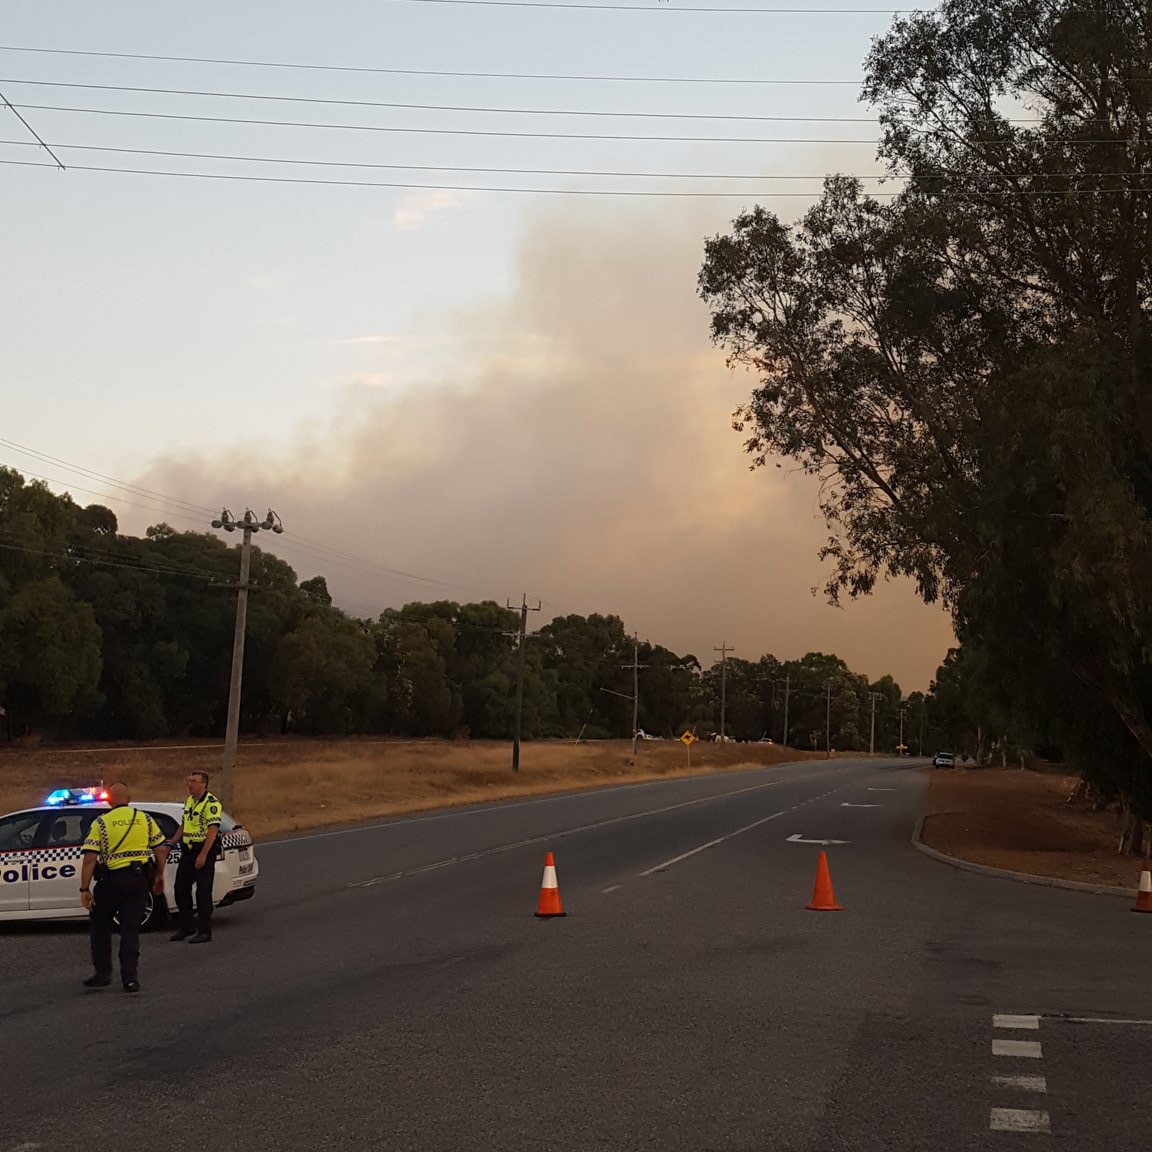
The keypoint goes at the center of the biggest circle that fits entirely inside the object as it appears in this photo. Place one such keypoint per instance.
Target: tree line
(109, 636)
(966, 364)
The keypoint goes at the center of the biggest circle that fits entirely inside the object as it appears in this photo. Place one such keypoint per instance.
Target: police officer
(125, 853)
(199, 835)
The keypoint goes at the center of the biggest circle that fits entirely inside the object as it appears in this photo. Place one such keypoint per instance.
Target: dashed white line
(1031, 1023)
(1026, 1049)
(710, 844)
(1021, 1083)
(613, 888)
(1018, 1120)
(563, 833)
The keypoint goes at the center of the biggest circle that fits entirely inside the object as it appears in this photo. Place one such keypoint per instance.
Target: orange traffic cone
(822, 898)
(1144, 895)
(549, 892)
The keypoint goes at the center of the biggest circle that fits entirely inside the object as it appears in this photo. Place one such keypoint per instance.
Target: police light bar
(77, 796)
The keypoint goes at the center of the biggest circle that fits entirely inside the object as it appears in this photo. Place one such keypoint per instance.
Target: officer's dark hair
(201, 776)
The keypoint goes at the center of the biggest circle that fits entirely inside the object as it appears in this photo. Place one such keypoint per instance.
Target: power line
(114, 497)
(313, 549)
(289, 160)
(508, 134)
(24, 450)
(288, 65)
(406, 106)
(624, 192)
(228, 156)
(658, 8)
(11, 108)
(396, 184)
(449, 131)
(160, 570)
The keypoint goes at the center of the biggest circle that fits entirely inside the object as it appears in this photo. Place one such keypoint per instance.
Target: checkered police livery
(40, 856)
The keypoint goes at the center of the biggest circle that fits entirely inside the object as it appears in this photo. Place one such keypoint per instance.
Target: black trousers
(188, 876)
(123, 892)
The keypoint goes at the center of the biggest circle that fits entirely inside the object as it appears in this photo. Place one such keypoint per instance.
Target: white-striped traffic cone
(1144, 894)
(549, 892)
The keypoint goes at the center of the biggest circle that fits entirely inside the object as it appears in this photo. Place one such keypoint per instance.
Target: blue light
(95, 795)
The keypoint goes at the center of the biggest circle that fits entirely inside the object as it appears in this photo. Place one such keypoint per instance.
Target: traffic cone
(549, 892)
(1144, 895)
(822, 898)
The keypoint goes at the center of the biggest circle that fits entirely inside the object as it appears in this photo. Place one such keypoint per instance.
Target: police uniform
(199, 816)
(122, 841)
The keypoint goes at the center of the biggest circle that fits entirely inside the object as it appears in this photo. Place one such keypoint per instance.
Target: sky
(445, 391)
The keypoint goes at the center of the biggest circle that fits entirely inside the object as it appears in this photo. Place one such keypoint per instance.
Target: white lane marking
(798, 839)
(848, 804)
(1029, 1049)
(710, 844)
(560, 835)
(1021, 1083)
(1032, 1023)
(1018, 1120)
(1100, 1020)
(614, 888)
(479, 808)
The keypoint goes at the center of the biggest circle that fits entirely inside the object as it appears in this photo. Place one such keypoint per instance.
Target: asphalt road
(390, 988)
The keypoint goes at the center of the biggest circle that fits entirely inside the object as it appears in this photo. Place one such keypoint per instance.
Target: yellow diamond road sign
(687, 739)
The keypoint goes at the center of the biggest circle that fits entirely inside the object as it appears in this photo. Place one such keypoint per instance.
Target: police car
(40, 856)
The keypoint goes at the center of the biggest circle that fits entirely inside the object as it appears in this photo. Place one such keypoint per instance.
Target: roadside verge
(1018, 825)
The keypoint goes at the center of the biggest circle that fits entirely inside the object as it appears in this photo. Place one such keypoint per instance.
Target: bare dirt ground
(1020, 820)
(289, 786)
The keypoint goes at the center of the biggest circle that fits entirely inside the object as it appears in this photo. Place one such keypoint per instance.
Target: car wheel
(155, 914)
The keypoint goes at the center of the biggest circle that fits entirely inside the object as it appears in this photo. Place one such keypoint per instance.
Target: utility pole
(828, 719)
(872, 738)
(902, 707)
(787, 692)
(635, 666)
(723, 650)
(523, 642)
(249, 524)
(920, 746)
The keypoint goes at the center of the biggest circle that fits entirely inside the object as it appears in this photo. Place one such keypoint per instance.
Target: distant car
(943, 760)
(40, 856)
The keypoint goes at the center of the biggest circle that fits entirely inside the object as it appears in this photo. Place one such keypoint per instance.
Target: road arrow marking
(798, 839)
(847, 805)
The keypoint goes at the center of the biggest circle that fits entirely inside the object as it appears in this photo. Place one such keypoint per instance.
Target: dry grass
(1008, 818)
(288, 786)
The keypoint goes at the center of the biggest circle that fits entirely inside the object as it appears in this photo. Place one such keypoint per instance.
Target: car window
(68, 828)
(168, 824)
(18, 831)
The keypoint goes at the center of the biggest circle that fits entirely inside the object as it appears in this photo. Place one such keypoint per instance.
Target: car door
(55, 877)
(17, 841)
(167, 825)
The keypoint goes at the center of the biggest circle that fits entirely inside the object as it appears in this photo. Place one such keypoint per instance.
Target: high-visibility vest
(199, 816)
(123, 837)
